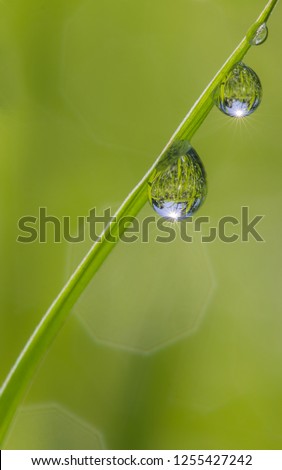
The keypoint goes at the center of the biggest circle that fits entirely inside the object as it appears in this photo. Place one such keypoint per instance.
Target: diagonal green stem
(23, 370)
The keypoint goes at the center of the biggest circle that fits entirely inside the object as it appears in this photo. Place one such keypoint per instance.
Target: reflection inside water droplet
(260, 35)
(240, 92)
(178, 185)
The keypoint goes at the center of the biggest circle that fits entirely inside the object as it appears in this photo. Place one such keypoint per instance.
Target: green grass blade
(22, 372)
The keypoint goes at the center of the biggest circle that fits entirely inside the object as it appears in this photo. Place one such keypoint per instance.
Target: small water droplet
(260, 35)
(178, 185)
(240, 93)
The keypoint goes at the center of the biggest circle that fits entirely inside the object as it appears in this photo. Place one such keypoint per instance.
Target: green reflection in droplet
(178, 185)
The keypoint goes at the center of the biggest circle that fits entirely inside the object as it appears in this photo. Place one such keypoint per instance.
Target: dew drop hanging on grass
(240, 93)
(260, 35)
(178, 186)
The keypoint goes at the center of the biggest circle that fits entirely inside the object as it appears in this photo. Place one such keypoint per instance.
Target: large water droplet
(260, 35)
(178, 185)
(240, 92)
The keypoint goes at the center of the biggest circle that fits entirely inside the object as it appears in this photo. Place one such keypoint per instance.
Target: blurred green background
(175, 345)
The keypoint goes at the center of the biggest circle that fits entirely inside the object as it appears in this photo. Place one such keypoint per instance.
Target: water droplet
(260, 35)
(240, 92)
(178, 185)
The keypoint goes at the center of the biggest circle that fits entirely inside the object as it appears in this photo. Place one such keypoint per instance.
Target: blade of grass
(21, 373)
